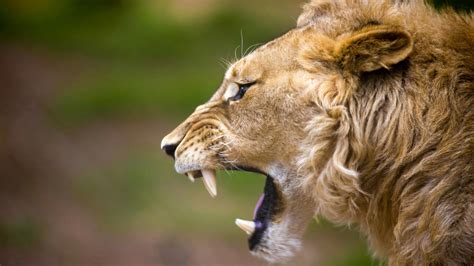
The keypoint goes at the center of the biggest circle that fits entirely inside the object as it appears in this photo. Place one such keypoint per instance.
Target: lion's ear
(373, 48)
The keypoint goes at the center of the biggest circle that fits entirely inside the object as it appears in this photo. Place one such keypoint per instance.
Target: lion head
(323, 111)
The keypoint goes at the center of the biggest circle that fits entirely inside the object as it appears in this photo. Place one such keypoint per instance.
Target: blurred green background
(87, 90)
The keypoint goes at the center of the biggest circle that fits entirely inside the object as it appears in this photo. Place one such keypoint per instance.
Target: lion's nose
(170, 149)
(170, 143)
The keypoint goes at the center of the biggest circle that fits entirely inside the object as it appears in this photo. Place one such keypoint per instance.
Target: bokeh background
(87, 90)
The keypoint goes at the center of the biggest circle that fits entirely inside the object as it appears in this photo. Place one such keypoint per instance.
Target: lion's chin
(276, 246)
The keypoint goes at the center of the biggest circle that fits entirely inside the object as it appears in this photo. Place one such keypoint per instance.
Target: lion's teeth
(190, 176)
(209, 177)
(247, 226)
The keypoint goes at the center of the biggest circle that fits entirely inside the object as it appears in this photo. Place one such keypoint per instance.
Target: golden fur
(364, 113)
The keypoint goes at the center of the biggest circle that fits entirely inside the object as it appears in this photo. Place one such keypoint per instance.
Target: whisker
(235, 53)
(241, 43)
(251, 48)
(227, 62)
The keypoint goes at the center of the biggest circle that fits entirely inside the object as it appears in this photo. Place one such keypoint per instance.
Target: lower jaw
(271, 204)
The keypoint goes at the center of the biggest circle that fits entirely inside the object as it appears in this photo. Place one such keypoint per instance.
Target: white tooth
(247, 226)
(190, 176)
(209, 178)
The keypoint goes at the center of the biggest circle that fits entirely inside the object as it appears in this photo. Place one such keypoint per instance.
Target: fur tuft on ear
(373, 48)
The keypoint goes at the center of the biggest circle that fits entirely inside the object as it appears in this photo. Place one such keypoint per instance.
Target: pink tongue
(259, 203)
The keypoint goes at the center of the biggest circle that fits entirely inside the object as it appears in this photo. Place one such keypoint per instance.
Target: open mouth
(268, 206)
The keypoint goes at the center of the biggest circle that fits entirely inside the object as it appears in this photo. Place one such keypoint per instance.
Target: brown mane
(403, 157)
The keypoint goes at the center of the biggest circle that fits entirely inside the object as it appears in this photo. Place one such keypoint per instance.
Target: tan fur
(364, 114)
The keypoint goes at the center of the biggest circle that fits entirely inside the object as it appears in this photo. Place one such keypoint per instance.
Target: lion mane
(401, 162)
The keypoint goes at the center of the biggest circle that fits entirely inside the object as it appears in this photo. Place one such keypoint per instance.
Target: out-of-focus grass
(142, 192)
(151, 65)
(139, 32)
(20, 233)
(358, 256)
(139, 91)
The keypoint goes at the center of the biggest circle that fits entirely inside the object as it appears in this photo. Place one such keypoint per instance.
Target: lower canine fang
(247, 226)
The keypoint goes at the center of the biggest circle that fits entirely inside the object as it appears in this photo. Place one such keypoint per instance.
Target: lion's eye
(241, 92)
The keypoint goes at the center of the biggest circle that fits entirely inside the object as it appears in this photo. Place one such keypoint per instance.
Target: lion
(362, 114)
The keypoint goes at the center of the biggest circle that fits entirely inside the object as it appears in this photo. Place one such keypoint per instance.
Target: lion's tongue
(259, 203)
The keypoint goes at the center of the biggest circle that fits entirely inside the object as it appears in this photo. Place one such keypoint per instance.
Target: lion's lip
(258, 205)
(267, 207)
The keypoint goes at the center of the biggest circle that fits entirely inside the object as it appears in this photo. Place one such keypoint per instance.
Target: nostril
(170, 149)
